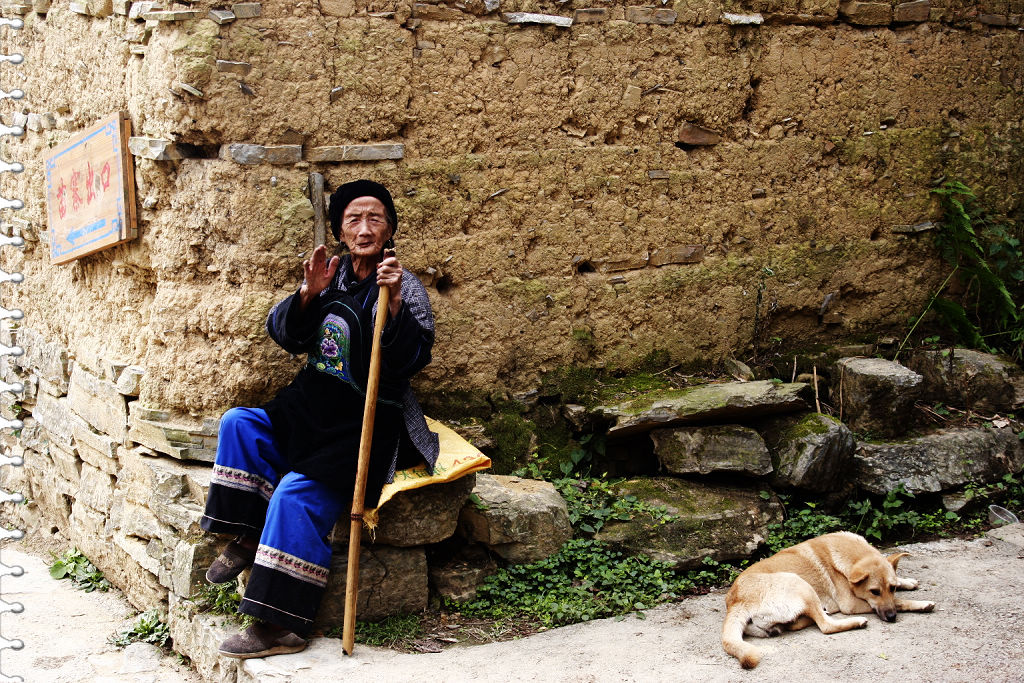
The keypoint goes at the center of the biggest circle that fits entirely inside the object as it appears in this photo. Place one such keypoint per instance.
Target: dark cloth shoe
(232, 560)
(262, 640)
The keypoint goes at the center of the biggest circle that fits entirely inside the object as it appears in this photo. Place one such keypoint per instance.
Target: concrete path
(973, 635)
(64, 631)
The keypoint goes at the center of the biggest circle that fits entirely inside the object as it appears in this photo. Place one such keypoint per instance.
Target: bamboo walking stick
(348, 638)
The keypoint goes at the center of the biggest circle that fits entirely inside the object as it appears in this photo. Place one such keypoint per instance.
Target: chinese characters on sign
(90, 191)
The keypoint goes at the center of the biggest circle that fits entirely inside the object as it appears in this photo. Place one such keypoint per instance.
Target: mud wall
(585, 194)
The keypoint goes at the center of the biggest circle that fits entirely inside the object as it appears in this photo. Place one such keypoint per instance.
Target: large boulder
(980, 381)
(522, 520)
(875, 395)
(725, 402)
(421, 516)
(392, 581)
(812, 452)
(940, 461)
(715, 448)
(723, 523)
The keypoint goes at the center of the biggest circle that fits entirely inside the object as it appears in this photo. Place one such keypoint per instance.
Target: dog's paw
(862, 622)
(908, 584)
(928, 606)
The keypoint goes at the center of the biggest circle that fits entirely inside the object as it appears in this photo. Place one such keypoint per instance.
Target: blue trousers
(253, 493)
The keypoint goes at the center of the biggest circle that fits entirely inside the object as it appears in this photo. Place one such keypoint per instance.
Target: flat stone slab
(724, 523)
(938, 462)
(726, 402)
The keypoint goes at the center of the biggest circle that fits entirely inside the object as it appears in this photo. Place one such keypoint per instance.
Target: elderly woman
(285, 472)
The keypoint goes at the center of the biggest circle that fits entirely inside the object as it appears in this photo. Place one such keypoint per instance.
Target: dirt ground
(973, 635)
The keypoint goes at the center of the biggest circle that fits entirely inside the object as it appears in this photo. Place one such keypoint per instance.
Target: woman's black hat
(354, 190)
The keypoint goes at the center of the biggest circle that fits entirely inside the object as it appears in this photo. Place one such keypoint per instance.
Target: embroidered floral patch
(332, 356)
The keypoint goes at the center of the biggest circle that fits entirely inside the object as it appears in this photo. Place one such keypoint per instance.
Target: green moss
(513, 438)
(808, 425)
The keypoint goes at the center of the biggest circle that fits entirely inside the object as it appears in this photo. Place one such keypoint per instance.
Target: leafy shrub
(75, 566)
(989, 261)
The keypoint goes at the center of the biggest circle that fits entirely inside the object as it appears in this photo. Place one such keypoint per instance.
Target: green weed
(218, 598)
(75, 566)
(148, 628)
(385, 633)
(584, 580)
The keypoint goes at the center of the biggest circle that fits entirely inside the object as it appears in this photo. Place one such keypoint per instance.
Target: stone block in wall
(66, 464)
(812, 451)
(54, 494)
(245, 154)
(428, 12)
(724, 523)
(170, 15)
(692, 134)
(378, 152)
(916, 11)
(221, 16)
(866, 13)
(522, 520)
(197, 636)
(283, 154)
(95, 488)
(651, 15)
(170, 489)
(392, 581)
(54, 415)
(622, 263)
(140, 8)
(100, 8)
(47, 359)
(98, 450)
(99, 403)
(247, 10)
(191, 559)
(711, 448)
(681, 253)
(534, 18)
(240, 68)
(156, 148)
(88, 534)
(129, 381)
(420, 516)
(590, 15)
(938, 462)
(77, 8)
(972, 379)
(122, 7)
(178, 440)
(133, 519)
(875, 395)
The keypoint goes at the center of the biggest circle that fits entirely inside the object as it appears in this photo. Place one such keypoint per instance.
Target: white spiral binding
(14, 387)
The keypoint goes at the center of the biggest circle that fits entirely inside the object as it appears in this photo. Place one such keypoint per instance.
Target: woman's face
(364, 227)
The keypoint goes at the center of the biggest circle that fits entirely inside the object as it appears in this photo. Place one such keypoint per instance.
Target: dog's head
(873, 579)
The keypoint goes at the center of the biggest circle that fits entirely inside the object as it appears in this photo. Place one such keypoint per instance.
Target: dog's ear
(895, 558)
(858, 573)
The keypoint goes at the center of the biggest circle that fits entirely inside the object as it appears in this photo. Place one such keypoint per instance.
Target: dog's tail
(732, 639)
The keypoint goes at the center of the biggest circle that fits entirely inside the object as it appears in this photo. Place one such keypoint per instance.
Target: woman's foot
(236, 556)
(262, 639)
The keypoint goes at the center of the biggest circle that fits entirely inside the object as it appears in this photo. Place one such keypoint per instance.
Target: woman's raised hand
(318, 273)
